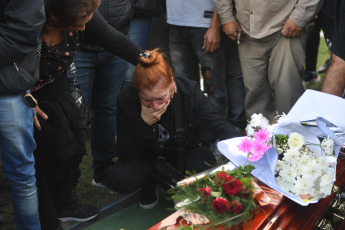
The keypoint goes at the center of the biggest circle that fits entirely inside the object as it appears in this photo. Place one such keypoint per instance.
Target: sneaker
(77, 212)
(148, 198)
(101, 184)
(324, 67)
(311, 76)
(101, 177)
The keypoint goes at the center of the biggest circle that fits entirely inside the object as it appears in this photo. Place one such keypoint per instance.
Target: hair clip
(145, 55)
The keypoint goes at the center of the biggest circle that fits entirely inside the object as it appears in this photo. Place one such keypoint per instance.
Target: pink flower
(253, 157)
(262, 135)
(245, 145)
(259, 148)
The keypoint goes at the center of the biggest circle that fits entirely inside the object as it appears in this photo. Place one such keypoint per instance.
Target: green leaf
(246, 181)
(249, 168)
(216, 194)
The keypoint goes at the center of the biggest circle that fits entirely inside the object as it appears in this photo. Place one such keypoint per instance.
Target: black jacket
(20, 25)
(135, 137)
(118, 13)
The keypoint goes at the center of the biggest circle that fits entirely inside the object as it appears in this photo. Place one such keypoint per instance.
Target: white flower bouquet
(298, 165)
(302, 171)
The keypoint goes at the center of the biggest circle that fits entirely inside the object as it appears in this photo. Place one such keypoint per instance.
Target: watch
(30, 100)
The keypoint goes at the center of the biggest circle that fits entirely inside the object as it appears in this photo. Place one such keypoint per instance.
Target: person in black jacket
(100, 76)
(60, 132)
(152, 115)
(20, 26)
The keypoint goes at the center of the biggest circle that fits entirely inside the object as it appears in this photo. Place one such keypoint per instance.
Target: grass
(98, 197)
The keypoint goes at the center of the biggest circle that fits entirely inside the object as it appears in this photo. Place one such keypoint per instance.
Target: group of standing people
(163, 122)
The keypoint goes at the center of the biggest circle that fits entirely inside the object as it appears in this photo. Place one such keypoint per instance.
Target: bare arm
(335, 78)
(303, 13)
(212, 36)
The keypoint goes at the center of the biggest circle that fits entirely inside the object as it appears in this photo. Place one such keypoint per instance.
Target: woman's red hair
(152, 71)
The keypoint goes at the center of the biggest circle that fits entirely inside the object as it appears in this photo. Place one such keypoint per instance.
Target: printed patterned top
(55, 60)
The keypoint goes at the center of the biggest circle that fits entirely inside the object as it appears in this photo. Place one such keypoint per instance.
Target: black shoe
(148, 197)
(311, 76)
(101, 177)
(101, 184)
(77, 212)
(60, 227)
(324, 67)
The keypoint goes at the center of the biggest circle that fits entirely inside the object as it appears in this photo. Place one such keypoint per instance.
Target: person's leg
(159, 36)
(130, 176)
(253, 55)
(17, 145)
(235, 84)
(312, 46)
(212, 68)
(183, 58)
(85, 62)
(48, 216)
(109, 74)
(139, 34)
(285, 70)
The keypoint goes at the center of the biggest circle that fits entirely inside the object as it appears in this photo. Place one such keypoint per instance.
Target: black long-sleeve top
(201, 121)
(56, 60)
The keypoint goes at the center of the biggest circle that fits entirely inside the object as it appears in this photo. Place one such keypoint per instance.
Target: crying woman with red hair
(165, 127)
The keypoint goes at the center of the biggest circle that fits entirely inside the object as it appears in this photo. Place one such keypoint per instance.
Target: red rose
(235, 207)
(220, 205)
(220, 178)
(232, 186)
(244, 192)
(205, 192)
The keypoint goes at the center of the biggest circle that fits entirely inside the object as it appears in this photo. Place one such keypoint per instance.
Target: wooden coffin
(328, 213)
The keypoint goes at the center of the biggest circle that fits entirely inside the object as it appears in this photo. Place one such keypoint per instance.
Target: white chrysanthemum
(298, 170)
(328, 146)
(280, 165)
(296, 141)
(249, 130)
(313, 171)
(327, 189)
(326, 179)
(323, 163)
(303, 186)
(286, 186)
(291, 156)
(288, 174)
(303, 161)
(258, 120)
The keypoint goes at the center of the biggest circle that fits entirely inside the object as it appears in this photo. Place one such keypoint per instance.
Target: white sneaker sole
(152, 205)
(67, 219)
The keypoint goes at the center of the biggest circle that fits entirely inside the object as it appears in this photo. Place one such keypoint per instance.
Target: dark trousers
(131, 176)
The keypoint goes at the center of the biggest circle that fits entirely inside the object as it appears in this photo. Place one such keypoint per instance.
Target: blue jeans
(186, 54)
(17, 145)
(100, 76)
(235, 84)
(139, 34)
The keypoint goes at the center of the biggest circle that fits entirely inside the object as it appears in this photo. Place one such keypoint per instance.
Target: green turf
(135, 218)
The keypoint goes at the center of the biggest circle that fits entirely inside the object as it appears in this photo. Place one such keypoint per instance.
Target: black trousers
(131, 176)
(59, 152)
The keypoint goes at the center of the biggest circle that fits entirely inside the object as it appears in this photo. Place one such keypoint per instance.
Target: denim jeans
(139, 34)
(186, 54)
(235, 84)
(17, 145)
(100, 76)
